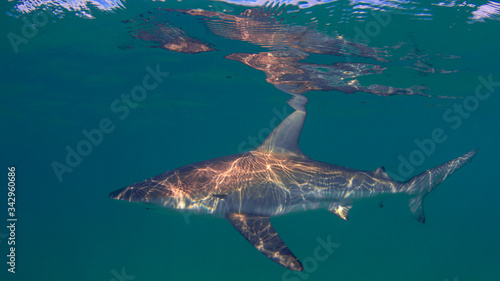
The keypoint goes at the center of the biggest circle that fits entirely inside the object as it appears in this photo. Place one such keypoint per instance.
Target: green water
(66, 78)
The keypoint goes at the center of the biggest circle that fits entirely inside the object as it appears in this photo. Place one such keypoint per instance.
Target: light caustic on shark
(275, 179)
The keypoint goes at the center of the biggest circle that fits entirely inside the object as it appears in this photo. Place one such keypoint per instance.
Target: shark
(277, 178)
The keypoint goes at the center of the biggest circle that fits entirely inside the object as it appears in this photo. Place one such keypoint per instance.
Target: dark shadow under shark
(275, 179)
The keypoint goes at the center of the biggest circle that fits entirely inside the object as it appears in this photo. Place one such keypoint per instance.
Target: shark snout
(116, 194)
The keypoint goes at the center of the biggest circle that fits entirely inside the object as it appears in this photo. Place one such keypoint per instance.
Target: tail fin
(419, 186)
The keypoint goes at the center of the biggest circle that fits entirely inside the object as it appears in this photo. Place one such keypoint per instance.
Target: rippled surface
(351, 10)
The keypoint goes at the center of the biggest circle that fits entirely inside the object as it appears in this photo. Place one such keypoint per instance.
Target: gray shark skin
(275, 179)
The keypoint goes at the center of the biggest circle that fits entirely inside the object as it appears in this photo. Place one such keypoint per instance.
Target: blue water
(66, 78)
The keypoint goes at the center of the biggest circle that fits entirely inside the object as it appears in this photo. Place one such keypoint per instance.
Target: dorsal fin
(380, 172)
(285, 137)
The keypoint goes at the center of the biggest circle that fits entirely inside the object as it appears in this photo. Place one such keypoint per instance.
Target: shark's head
(148, 191)
(181, 188)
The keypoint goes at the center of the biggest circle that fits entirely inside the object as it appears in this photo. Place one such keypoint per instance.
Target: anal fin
(261, 234)
(340, 209)
(416, 205)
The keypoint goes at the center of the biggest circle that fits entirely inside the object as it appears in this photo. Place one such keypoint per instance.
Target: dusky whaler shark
(275, 179)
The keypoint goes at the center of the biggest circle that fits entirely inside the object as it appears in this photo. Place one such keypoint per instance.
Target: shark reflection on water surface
(260, 27)
(168, 37)
(289, 45)
(286, 73)
(275, 179)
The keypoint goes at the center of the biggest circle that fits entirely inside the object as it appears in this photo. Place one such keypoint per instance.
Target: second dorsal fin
(380, 172)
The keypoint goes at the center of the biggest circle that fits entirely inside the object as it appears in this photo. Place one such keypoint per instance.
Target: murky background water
(380, 78)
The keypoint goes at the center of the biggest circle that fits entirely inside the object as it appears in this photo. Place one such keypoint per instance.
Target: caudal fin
(419, 186)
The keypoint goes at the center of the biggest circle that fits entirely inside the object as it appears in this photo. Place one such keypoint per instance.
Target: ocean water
(64, 79)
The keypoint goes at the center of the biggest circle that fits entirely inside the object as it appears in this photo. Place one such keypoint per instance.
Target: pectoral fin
(261, 234)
